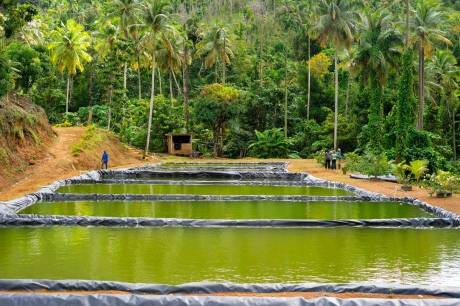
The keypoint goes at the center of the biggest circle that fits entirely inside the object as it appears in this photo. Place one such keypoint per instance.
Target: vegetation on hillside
(380, 78)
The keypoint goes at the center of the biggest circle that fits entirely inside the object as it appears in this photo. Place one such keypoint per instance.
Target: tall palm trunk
(139, 81)
(454, 136)
(347, 95)
(421, 84)
(152, 100)
(336, 102)
(186, 84)
(160, 82)
(67, 98)
(309, 80)
(90, 94)
(285, 96)
(179, 91)
(125, 77)
(407, 23)
(110, 104)
(171, 96)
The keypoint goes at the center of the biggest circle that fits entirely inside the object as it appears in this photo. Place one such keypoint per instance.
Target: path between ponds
(387, 188)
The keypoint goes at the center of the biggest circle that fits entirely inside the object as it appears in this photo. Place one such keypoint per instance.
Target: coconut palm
(127, 13)
(215, 48)
(444, 77)
(427, 24)
(68, 48)
(170, 60)
(158, 29)
(376, 54)
(107, 36)
(336, 26)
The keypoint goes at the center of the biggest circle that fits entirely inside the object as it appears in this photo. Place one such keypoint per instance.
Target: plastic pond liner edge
(9, 209)
(171, 300)
(53, 220)
(210, 288)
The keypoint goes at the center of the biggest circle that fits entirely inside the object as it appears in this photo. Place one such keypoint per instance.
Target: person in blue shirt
(105, 160)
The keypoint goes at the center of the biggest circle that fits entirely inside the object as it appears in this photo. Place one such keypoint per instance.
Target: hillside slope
(24, 133)
(74, 150)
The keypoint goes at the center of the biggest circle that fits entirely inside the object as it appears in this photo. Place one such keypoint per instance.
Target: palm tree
(216, 47)
(106, 41)
(157, 26)
(427, 22)
(445, 79)
(170, 60)
(69, 50)
(376, 54)
(127, 13)
(336, 26)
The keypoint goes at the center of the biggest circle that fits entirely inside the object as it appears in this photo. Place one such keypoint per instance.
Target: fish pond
(175, 255)
(231, 209)
(202, 189)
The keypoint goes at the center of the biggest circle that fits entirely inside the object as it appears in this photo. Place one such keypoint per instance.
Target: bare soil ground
(59, 163)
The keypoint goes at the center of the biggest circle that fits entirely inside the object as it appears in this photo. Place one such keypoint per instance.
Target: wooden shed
(179, 144)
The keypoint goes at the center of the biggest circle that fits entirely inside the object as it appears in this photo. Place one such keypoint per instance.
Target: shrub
(443, 181)
(370, 164)
(270, 144)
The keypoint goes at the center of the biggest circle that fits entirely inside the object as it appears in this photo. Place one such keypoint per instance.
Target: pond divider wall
(9, 209)
(38, 220)
(145, 294)
(172, 300)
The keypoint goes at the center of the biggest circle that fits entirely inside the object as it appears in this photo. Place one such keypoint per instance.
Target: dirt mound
(24, 133)
(88, 150)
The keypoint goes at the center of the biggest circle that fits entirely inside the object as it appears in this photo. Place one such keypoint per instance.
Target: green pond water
(202, 189)
(231, 210)
(226, 165)
(242, 255)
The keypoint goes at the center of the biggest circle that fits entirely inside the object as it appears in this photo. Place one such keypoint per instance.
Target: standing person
(334, 160)
(105, 160)
(328, 159)
(339, 157)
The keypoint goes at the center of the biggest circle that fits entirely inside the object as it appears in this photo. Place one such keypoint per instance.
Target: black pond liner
(48, 193)
(42, 220)
(151, 294)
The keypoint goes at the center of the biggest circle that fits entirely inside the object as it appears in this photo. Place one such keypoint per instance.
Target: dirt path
(387, 188)
(58, 163)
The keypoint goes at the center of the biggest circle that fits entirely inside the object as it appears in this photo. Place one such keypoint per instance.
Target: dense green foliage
(332, 73)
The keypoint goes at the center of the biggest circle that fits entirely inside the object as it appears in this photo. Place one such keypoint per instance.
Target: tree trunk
(347, 95)
(223, 60)
(152, 100)
(171, 96)
(454, 136)
(90, 95)
(139, 81)
(309, 80)
(421, 85)
(285, 96)
(67, 98)
(186, 84)
(110, 106)
(125, 77)
(179, 91)
(407, 23)
(336, 102)
(160, 82)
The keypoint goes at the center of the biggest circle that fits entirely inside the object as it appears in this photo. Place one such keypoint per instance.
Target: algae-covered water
(243, 255)
(231, 210)
(202, 189)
